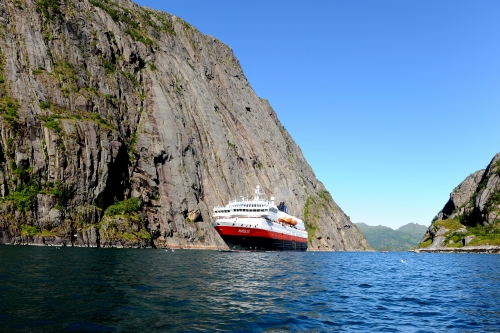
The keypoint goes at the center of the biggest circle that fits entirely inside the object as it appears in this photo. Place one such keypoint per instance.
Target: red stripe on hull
(255, 232)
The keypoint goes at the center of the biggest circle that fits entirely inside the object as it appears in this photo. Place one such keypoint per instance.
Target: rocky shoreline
(194, 247)
(465, 249)
(120, 244)
(58, 242)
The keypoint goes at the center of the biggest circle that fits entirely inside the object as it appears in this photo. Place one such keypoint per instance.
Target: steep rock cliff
(123, 126)
(471, 215)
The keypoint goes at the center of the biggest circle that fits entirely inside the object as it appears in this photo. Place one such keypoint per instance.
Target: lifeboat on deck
(287, 220)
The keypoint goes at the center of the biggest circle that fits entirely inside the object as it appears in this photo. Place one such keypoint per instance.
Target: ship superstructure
(257, 224)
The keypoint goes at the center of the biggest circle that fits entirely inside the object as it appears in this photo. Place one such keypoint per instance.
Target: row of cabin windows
(274, 210)
(251, 205)
(243, 210)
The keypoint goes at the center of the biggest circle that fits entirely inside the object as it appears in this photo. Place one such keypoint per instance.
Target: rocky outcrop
(460, 196)
(471, 215)
(105, 101)
(477, 199)
(465, 249)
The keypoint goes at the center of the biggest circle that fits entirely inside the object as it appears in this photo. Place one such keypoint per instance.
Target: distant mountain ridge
(383, 238)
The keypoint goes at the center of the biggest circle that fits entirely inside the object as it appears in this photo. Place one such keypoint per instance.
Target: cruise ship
(257, 224)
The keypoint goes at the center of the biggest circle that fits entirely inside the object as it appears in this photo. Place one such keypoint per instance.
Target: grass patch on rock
(23, 197)
(455, 244)
(123, 221)
(49, 8)
(312, 209)
(450, 224)
(46, 233)
(486, 241)
(425, 244)
(493, 202)
(484, 234)
(29, 230)
(488, 234)
(124, 207)
(9, 107)
(137, 35)
(137, 236)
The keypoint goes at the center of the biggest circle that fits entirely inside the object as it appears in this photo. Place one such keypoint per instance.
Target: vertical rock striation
(123, 126)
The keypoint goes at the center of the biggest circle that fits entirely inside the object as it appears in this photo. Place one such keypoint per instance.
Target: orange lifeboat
(287, 220)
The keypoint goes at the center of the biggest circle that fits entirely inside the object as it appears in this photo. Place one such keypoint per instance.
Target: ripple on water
(200, 291)
(89, 327)
(365, 285)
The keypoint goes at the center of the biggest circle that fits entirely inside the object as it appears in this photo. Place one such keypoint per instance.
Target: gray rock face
(437, 242)
(52, 219)
(106, 101)
(461, 196)
(467, 239)
(486, 198)
(476, 198)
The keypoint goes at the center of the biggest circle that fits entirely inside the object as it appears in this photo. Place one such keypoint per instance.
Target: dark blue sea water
(45, 289)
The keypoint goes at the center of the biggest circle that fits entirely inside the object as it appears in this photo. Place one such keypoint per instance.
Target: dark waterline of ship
(46, 289)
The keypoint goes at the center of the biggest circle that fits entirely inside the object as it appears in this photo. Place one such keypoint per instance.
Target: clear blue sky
(393, 102)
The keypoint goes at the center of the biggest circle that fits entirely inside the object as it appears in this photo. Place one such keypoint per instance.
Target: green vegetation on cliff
(135, 21)
(125, 207)
(8, 105)
(312, 209)
(457, 235)
(49, 8)
(123, 220)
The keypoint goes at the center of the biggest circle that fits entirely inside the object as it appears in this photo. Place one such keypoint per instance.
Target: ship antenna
(257, 193)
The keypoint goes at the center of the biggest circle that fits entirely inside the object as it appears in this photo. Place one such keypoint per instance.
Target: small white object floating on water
(403, 261)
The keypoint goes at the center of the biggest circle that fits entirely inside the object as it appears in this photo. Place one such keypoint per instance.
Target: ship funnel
(272, 201)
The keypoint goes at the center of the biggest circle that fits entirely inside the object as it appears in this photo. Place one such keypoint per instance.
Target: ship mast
(257, 193)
